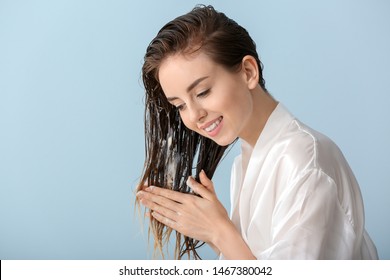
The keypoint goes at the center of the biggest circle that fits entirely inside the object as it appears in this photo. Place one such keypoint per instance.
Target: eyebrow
(190, 87)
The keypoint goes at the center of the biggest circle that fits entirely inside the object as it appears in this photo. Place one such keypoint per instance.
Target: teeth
(213, 125)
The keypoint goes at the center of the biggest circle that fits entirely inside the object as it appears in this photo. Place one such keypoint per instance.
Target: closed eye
(203, 93)
(180, 107)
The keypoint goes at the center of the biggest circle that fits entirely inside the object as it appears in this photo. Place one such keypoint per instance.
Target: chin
(224, 142)
(221, 141)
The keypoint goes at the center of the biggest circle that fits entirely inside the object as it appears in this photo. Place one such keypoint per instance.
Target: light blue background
(71, 111)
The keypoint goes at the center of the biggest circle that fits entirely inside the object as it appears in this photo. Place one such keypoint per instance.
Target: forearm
(230, 243)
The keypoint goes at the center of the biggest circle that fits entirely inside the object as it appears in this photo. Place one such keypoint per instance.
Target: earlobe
(251, 71)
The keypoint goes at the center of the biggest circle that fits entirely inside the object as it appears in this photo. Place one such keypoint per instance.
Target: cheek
(227, 104)
(186, 121)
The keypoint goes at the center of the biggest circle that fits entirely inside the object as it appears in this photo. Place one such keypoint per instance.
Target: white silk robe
(294, 196)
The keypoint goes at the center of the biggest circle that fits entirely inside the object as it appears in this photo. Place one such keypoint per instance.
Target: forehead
(180, 69)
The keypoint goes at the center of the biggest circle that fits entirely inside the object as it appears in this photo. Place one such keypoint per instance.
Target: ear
(251, 71)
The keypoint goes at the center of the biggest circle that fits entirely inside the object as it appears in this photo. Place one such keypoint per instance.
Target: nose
(197, 113)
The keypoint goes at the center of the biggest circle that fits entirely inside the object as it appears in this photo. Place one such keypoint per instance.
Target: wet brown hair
(172, 151)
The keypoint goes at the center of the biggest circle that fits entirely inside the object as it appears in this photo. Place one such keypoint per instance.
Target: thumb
(205, 181)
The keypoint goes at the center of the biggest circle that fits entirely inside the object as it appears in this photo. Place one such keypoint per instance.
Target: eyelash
(200, 95)
(180, 107)
(204, 93)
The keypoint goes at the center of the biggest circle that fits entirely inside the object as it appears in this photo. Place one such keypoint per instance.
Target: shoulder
(304, 145)
(312, 161)
(299, 148)
(285, 135)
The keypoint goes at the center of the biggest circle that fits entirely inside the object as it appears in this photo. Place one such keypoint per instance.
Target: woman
(293, 194)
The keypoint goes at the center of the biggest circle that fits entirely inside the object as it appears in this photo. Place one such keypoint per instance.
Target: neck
(263, 106)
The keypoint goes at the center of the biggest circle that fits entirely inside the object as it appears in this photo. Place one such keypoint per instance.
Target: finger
(142, 186)
(205, 181)
(162, 219)
(167, 213)
(171, 195)
(198, 188)
(154, 207)
(156, 202)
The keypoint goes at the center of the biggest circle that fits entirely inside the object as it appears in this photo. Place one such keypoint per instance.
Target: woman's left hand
(199, 217)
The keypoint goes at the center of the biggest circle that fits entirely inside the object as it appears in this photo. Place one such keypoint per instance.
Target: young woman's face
(212, 101)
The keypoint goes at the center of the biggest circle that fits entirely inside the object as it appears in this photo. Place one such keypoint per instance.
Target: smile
(213, 125)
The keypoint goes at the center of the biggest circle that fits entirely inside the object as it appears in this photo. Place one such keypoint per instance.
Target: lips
(212, 126)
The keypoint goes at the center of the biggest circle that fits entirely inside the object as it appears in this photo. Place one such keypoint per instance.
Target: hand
(199, 217)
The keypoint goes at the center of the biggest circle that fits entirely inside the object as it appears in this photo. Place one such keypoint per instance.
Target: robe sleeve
(309, 222)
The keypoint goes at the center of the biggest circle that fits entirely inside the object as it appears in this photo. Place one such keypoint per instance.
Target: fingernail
(156, 215)
(189, 182)
(150, 188)
(138, 194)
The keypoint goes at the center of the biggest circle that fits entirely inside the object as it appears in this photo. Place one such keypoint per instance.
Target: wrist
(230, 243)
(225, 233)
